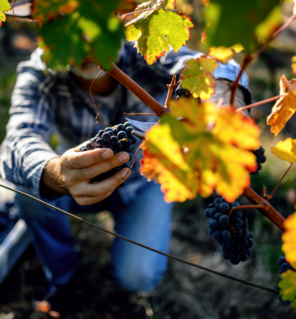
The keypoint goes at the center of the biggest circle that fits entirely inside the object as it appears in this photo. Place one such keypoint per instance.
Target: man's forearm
(51, 183)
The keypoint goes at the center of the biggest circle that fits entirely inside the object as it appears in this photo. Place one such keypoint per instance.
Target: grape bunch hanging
(118, 138)
(231, 232)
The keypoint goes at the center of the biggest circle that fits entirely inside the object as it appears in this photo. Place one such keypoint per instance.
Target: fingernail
(125, 172)
(107, 154)
(123, 157)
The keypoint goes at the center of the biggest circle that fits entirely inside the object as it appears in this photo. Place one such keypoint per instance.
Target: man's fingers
(79, 175)
(80, 160)
(95, 192)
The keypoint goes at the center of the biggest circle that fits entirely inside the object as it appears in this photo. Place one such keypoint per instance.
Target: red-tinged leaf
(294, 64)
(197, 77)
(285, 106)
(196, 155)
(48, 10)
(288, 287)
(289, 240)
(154, 31)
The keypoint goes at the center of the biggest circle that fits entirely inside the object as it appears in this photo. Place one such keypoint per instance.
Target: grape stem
(267, 210)
(259, 103)
(243, 207)
(144, 96)
(234, 86)
(288, 314)
(171, 88)
(268, 197)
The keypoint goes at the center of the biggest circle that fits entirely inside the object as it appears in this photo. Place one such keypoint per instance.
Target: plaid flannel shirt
(43, 101)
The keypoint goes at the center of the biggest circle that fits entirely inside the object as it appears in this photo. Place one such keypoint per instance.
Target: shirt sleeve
(26, 150)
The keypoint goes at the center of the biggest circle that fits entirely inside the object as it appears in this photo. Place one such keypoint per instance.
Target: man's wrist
(51, 183)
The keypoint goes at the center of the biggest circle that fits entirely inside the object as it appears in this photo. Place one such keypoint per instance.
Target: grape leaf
(294, 64)
(285, 150)
(266, 29)
(4, 6)
(197, 77)
(224, 54)
(197, 155)
(288, 287)
(285, 106)
(82, 35)
(289, 240)
(154, 31)
(230, 22)
(48, 10)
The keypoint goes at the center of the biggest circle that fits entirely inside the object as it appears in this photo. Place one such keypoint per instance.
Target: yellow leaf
(237, 48)
(224, 54)
(208, 149)
(288, 286)
(294, 64)
(221, 54)
(285, 106)
(289, 240)
(285, 150)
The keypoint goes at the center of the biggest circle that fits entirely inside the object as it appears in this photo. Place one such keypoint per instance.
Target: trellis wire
(141, 245)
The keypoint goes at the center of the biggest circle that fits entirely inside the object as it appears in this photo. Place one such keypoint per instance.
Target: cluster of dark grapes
(284, 267)
(181, 92)
(119, 138)
(232, 233)
(260, 158)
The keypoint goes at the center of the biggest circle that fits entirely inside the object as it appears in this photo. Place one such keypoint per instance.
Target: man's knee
(140, 275)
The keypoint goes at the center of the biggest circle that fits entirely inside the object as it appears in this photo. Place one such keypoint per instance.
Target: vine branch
(259, 103)
(267, 209)
(278, 184)
(144, 96)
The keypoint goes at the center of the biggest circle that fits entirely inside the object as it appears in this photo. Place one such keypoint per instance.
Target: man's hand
(71, 174)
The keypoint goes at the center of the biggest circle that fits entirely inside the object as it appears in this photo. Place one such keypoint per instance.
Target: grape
(260, 158)
(284, 266)
(129, 130)
(224, 220)
(89, 147)
(232, 233)
(108, 138)
(181, 92)
(120, 127)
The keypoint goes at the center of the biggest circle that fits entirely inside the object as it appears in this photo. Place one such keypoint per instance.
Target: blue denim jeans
(146, 220)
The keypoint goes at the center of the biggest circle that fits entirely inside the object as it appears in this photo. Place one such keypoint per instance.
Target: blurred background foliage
(18, 40)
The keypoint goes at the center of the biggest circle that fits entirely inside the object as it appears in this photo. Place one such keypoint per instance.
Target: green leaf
(288, 287)
(230, 22)
(197, 77)
(82, 34)
(155, 30)
(2, 17)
